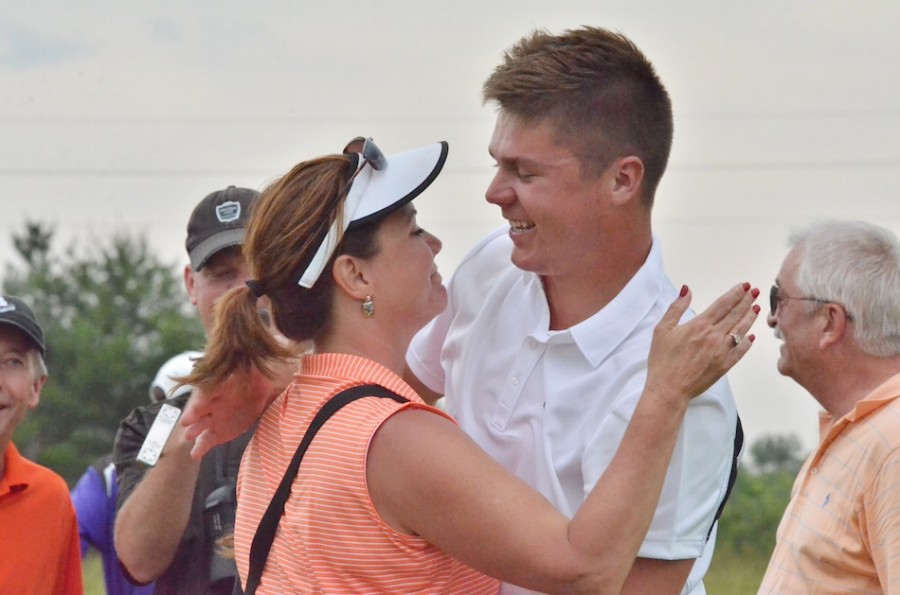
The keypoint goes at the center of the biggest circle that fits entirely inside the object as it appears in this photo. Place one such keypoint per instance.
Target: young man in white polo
(541, 353)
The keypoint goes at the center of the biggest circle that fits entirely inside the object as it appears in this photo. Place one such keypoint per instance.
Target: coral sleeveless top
(331, 539)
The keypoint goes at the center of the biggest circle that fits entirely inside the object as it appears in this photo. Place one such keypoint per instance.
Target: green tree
(760, 495)
(775, 453)
(748, 525)
(112, 314)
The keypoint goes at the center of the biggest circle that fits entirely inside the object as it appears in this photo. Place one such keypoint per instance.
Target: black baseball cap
(218, 222)
(15, 312)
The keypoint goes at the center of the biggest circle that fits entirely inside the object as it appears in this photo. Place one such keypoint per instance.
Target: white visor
(179, 365)
(375, 194)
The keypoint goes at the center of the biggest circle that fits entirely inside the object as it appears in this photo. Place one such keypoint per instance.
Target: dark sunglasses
(775, 298)
(370, 152)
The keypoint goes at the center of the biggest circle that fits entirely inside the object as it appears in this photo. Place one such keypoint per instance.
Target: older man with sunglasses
(836, 307)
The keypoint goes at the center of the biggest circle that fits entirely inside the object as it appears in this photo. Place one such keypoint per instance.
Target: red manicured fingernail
(746, 287)
(752, 338)
(755, 293)
(756, 308)
(684, 290)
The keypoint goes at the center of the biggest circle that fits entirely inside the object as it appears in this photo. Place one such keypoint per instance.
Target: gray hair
(855, 264)
(38, 366)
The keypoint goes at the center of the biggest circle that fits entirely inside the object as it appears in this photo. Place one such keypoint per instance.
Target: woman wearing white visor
(391, 496)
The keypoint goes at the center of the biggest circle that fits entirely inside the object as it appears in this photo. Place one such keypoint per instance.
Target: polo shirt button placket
(518, 375)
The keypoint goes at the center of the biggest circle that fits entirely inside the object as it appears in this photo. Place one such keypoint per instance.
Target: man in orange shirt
(39, 548)
(835, 307)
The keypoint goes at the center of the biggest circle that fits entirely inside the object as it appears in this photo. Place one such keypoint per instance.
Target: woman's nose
(435, 243)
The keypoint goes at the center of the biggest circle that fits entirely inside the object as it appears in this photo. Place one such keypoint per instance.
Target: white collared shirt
(552, 406)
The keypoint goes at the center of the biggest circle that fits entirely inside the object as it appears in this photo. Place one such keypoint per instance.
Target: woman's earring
(368, 307)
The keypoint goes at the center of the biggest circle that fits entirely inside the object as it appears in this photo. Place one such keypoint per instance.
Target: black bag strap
(265, 533)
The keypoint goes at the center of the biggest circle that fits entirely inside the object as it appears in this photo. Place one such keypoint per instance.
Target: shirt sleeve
(70, 573)
(61, 542)
(89, 500)
(129, 439)
(698, 476)
(486, 259)
(424, 354)
(882, 523)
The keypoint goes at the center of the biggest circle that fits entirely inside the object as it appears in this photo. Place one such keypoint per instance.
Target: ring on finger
(736, 338)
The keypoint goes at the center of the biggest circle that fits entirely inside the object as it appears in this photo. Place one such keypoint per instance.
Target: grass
(729, 574)
(92, 571)
(734, 574)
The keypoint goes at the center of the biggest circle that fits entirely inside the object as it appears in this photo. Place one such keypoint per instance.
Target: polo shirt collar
(15, 475)
(358, 369)
(601, 334)
(882, 395)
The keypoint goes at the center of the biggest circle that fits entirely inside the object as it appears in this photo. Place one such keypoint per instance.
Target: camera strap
(265, 533)
(219, 454)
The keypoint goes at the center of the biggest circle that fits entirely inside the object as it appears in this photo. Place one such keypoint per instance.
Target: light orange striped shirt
(331, 539)
(841, 531)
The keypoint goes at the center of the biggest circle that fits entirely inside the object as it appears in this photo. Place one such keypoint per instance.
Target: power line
(102, 172)
(690, 167)
(786, 165)
(752, 115)
(244, 120)
(805, 115)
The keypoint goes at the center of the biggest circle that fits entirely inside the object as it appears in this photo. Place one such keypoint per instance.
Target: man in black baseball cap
(215, 233)
(218, 222)
(164, 528)
(39, 551)
(16, 313)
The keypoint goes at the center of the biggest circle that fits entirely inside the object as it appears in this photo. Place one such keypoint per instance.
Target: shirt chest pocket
(829, 522)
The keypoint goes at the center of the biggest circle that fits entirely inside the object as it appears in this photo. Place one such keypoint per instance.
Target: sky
(120, 117)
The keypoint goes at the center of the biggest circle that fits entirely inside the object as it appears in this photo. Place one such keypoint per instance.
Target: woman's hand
(686, 359)
(222, 413)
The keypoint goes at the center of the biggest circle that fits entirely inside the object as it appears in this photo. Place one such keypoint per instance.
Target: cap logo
(228, 211)
(6, 306)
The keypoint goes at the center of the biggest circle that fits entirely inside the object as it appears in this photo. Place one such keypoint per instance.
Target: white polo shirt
(552, 406)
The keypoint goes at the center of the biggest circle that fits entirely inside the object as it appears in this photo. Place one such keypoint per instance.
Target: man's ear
(35, 397)
(351, 275)
(627, 179)
(834, 324)
(189, 283)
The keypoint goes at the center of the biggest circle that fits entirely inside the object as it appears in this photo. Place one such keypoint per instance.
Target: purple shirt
(94, 498)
